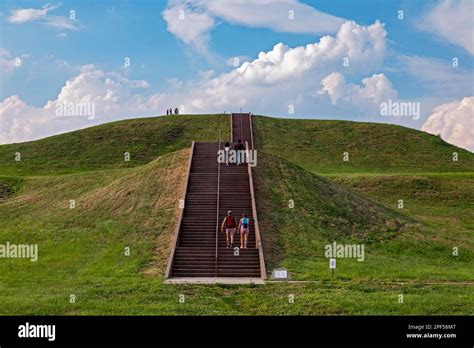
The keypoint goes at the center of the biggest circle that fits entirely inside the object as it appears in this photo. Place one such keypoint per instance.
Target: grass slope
(319, 145)
(104, 146)
(442, 202)
(84, 246)
(134, 204)
(397, 247)
(322, 211)
(82, 253)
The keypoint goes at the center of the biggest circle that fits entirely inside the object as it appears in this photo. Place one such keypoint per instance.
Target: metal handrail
(232, 127)
(241, 127)
(217, 209)
(258, 239)
(251, 130)
(180, 217)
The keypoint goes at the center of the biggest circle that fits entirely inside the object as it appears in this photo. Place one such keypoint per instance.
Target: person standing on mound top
(230, 225)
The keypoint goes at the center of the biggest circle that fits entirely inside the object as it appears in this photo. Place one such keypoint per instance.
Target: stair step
(195, 255)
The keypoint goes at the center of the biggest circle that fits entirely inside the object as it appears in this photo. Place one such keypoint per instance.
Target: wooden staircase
(199, 249)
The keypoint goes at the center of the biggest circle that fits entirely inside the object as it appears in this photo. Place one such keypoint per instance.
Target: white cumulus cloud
(112, 95)
(285, 75)
(268, 84)
(373, 91)
(454, 122)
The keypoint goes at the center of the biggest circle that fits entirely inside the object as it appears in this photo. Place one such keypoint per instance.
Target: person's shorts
(230, 230)
(244, 230)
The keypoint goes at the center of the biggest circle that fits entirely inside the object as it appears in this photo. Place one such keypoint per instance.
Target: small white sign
(332, 263)
(280, 274)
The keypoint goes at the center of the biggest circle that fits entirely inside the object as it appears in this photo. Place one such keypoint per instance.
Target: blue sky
(188, 64)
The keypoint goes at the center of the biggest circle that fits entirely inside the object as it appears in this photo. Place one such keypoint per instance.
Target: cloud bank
(270, 83)
(112, 95)
(454, 122)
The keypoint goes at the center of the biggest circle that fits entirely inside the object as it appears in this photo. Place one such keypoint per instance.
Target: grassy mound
(134, 205)
(319, 146)
(399, 245)
(443, 202)
(104, 146)
(300, 211)
(133, 208)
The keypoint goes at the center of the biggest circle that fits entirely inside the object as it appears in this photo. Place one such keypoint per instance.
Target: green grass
(319, 145)
(139, 295)
(104, 146)
(386, 163)
(135, 204)
(9, 186)
(442, 202)
(399, 244)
